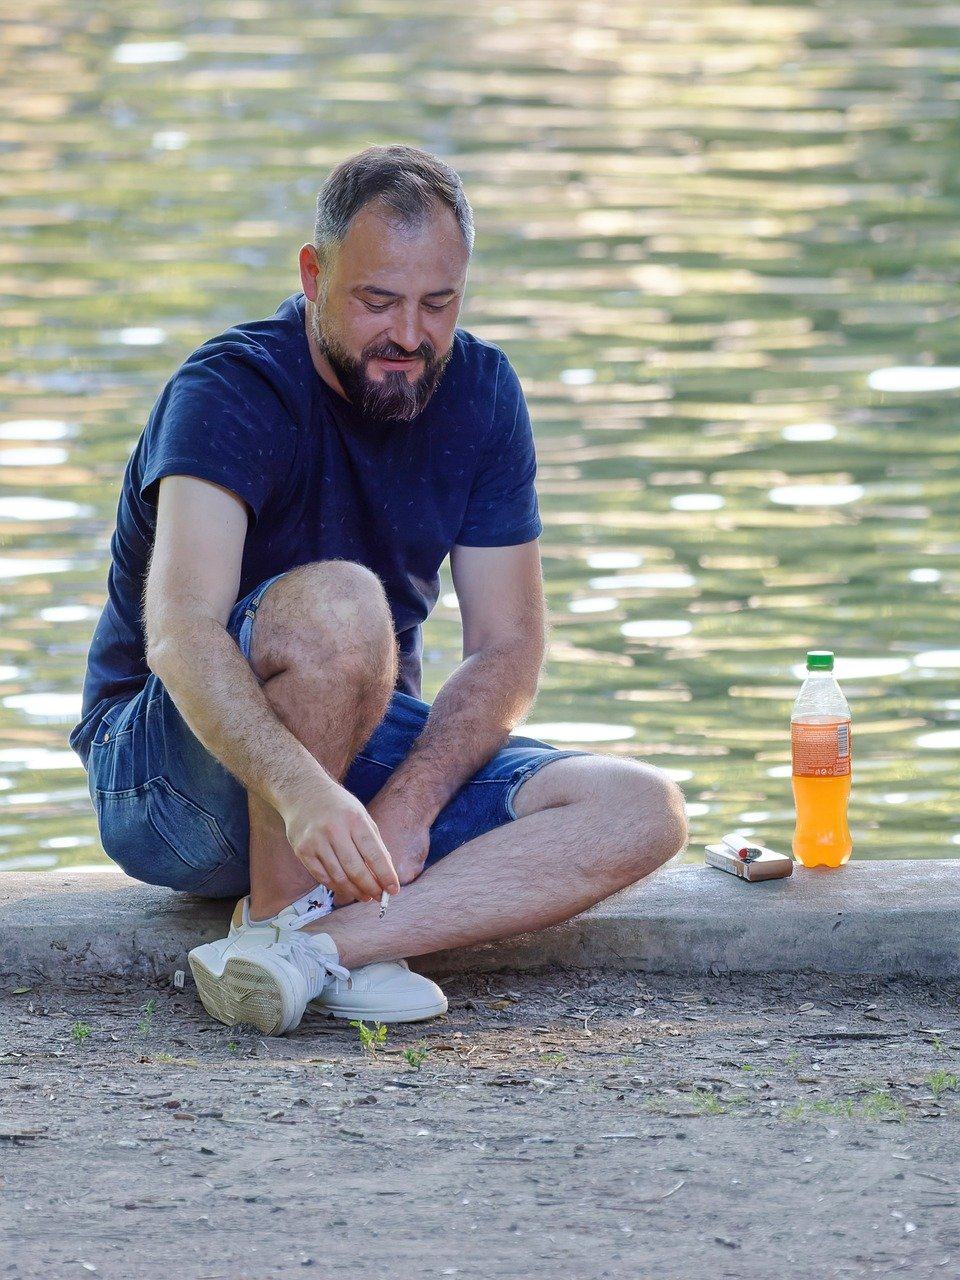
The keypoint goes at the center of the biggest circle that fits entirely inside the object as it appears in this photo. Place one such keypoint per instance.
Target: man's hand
(404, 831)
(336, 840)
(406, 834)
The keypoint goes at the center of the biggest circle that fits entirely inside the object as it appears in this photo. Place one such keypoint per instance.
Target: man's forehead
(377, 248)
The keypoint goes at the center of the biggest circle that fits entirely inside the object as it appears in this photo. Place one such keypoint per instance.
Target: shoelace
(312, 963)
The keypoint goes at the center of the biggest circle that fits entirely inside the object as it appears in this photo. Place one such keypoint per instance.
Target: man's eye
(441, 306)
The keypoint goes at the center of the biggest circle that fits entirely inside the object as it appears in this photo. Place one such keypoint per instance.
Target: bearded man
(252, 724)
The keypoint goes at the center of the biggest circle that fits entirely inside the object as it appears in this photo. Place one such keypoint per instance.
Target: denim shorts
(170, 814)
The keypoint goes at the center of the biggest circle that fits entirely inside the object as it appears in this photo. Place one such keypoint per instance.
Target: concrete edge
(885, 918)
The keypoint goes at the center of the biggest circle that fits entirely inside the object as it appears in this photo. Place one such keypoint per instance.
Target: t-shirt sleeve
(220, 420)
(502, 508)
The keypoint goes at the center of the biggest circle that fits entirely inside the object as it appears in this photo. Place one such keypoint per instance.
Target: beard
(394, 398)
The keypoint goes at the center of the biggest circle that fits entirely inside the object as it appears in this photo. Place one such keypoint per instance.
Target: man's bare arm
(191, 588)
(502, 609)
(187, 601)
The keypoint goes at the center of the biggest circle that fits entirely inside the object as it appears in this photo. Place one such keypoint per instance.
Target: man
(284, 517)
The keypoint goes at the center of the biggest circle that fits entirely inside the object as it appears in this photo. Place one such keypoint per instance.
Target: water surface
(720, 245)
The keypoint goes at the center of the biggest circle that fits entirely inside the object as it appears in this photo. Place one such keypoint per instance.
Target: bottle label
(821, 750)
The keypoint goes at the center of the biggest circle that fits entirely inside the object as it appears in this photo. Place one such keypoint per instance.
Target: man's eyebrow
(386, 293)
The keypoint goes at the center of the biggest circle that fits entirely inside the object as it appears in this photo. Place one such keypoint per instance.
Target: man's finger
(332, 875)
(377, 857)
(355, 869)
(316, 868)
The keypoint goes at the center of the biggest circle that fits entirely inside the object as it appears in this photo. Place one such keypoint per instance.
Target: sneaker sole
(244, 992)
(417, 1014)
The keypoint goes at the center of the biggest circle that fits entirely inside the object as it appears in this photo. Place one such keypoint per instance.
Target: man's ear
(311, 272)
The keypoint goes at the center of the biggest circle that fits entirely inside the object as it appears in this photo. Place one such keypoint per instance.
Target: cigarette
(384, 901)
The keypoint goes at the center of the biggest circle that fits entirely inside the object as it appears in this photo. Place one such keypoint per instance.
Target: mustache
(424, 352)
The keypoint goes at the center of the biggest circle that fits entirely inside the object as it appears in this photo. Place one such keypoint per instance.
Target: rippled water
(718, 241)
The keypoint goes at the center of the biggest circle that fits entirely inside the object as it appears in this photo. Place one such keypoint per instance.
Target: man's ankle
(263, 909)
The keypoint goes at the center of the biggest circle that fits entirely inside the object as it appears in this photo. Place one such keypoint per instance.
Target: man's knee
(662, 800)
(329, 614)
(651, 809)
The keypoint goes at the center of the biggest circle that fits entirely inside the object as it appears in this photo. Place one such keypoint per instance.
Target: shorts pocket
(189, 830)
(114, 722)
(159, 836)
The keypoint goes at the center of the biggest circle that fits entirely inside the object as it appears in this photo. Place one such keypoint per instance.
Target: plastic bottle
(822, 751)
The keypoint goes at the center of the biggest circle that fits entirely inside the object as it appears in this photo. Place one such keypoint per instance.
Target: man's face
(384, 310)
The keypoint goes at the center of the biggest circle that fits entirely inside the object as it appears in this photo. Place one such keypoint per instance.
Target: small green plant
(746, 1066)
(941, 1081)
(706, 1103)
(233, 1046)
(557, 1059)
(80, 1031)
(146, 1022)
(792, 1058)
(700, 1102)
(879, 1105)
(845, 1107)
(371, 1039)
(737, 1100)
(416, 1057)
(937, 1045)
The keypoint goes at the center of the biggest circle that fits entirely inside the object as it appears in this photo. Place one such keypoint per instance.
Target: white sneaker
(383, 992)
(265, 973)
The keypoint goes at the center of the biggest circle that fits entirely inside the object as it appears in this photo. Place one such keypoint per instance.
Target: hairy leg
(324, 646)
(586, 827)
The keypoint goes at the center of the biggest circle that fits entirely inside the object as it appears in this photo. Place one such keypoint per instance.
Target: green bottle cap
(819, 660)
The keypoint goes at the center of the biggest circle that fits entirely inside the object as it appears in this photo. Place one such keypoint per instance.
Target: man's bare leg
(586, 827)
(324, 646)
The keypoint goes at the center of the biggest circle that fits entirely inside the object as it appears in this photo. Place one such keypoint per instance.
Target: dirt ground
(578, 1124)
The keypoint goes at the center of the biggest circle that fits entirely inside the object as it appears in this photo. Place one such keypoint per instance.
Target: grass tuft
(416, 1057)
(146, 1022)
(371, 1039)
(878, 1105)
(942, 1081)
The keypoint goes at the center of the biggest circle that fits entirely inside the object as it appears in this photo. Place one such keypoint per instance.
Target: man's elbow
(157, 655)
(162, 650)
(175, 645)
(527, 660)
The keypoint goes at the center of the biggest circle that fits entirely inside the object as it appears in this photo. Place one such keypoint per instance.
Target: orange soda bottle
(821, 745)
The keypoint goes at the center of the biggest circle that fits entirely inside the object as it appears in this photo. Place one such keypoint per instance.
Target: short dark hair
(407, 180)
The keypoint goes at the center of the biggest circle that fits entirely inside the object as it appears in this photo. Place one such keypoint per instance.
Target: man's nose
(407, 331)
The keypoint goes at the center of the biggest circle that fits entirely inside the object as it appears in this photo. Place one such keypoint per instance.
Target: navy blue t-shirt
(249, 411)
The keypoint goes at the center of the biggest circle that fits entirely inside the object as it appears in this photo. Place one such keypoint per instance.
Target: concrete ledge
(885, 918)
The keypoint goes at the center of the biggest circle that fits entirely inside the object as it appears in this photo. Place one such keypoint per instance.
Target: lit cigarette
(384, 900)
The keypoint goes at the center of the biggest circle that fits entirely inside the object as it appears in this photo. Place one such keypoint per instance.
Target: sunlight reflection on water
(918, 378)
(816, 495)
(141, 53)
(729, 295)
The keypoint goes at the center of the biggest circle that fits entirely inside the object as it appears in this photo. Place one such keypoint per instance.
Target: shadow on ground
(605, 1126)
